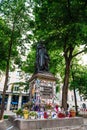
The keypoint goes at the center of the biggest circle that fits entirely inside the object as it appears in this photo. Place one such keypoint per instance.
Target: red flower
(61, 115)
(45, 115)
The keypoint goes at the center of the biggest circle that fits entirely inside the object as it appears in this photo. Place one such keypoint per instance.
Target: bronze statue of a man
(42, 58)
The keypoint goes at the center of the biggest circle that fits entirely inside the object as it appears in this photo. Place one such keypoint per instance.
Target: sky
(83, 59)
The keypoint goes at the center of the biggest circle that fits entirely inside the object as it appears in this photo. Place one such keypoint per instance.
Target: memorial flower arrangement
(61, 115)
(72, 112)
(45, 115)
(19, 112)
(48, 106)
(32, 113)
(28, 105)
(26, 113)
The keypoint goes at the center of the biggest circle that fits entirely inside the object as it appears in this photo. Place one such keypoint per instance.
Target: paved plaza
(6, 125)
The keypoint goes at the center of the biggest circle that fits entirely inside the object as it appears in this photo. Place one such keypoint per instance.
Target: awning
(14, 103)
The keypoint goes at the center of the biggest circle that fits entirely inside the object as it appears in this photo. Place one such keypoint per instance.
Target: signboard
(46, 92)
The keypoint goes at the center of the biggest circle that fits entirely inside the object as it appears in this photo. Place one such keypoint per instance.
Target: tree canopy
(3, 43)
(79, 80)
(62, 25)
(16, 15)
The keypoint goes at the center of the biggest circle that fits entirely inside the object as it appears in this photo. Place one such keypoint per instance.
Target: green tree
(62, 25)
(3, 43)
(28, 66)
(75, 70)
(16, 15)
(79, 80)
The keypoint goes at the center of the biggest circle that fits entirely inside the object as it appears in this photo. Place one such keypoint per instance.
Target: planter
(72, 113)
(32, 117)
(32, 114)
(26, 113)
(18, 116)
(26, 116)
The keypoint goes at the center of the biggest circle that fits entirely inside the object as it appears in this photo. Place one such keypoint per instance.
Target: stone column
(20, 101)
(9, 102)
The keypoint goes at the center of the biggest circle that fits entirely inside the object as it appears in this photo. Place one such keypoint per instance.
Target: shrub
(5, 116)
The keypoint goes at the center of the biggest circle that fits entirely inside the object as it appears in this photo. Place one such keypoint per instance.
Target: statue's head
(40, 44)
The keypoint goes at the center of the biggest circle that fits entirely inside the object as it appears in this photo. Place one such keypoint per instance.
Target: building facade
(17, 95)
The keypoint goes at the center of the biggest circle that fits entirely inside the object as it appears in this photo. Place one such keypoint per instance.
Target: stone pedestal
(42, 87)
(75, 123)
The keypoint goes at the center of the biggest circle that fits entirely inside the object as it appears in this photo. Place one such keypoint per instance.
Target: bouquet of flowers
(61, 115)
(48, 106)
(33, 113)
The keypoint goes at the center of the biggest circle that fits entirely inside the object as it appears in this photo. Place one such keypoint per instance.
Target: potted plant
(61, 115)
(5, 116)
(26, 113)
(33, 114)
(72, 112)
(19, 113)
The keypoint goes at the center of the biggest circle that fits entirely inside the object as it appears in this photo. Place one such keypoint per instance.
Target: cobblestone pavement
(85, 123)
(6, 125)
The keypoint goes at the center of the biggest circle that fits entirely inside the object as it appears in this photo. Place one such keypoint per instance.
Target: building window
(80, 98)
(16, 88)
(7, 87)
(72, 97)
(18, 73)
(25, 90)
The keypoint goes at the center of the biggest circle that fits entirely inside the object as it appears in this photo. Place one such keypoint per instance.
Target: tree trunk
(75, 101)
(65, 85)
(6, 76)
(75, 98)
(68, 51)
(3, 94)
